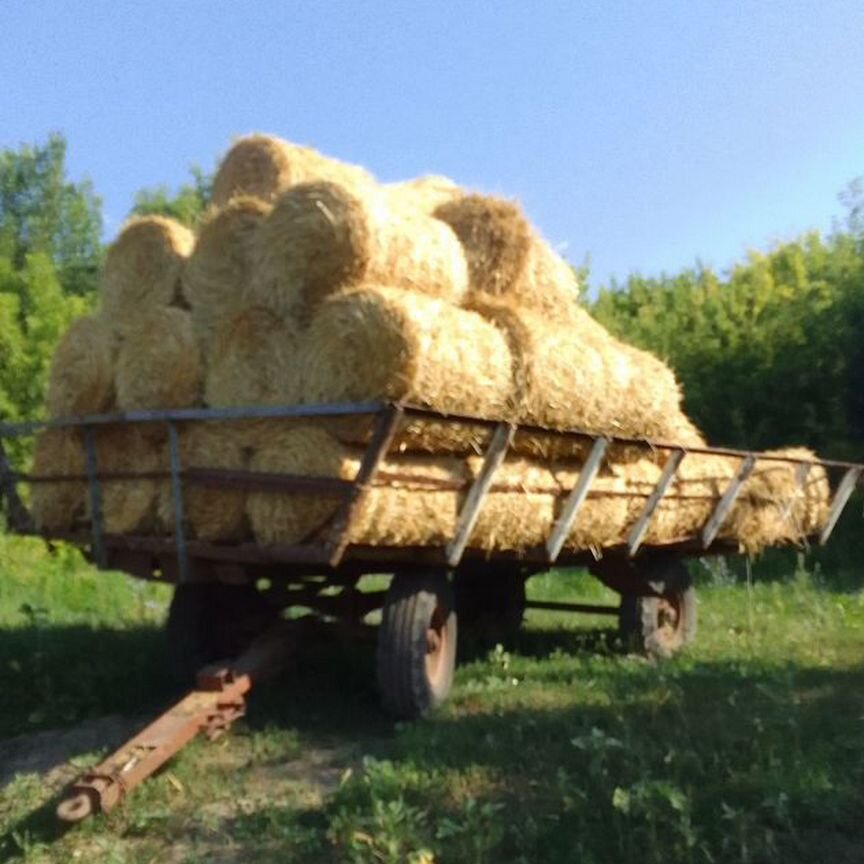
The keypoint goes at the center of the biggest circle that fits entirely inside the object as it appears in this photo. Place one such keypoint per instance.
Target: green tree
(43, 212)
(187, 205)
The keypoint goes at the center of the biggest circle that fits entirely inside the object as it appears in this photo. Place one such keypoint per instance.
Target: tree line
(768, 354)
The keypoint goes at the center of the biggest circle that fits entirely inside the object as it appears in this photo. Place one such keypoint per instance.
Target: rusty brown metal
(218, 700)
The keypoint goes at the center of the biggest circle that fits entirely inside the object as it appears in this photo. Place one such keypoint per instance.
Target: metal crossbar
(724, 505)
(470, 512)
(577, 497)
(637, 535)
(844, 493)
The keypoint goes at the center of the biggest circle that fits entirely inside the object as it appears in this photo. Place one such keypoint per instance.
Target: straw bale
(219, 269)
(578, 376)
(405, 508)
(159, 365)
(763, 516)
(81, 380)
(384, 344)
(254, 361)
(58, 506)
(129, 505)
(507, 259)
(323, 237)
(142, 268)
(264, 166)
(211, 513)
(426, 193)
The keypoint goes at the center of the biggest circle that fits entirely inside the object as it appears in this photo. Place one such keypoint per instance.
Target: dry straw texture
(323, 237)
(142, 268)
(219, 270)
(129, 505)
(578, 376)
(58, 506)
(426, 193)
(158, 365)
(263, 166)
(407, 508)
(211, 513)
(380, 343)
(81, 380)
(507, 259)
(253, 361)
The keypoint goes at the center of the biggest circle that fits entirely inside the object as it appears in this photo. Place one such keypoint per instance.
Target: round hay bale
(263, 166)
(217, 273)
(58, 506)
(129, 505)
(384, 344)
(142, 268)
(81, 380)
(507, 259)
(254, 361)
(578, 376)
(159, 365)
(426, 193)
(771, 511)
(416, 499)
(211, 512)
(322, 237)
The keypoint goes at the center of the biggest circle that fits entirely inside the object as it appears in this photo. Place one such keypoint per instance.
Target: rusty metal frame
(575, 499)
(470, 512)
(724, 505)
(340, 531)
(844, 492)
(637, 534)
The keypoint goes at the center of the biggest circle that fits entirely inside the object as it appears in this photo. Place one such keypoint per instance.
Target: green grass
(747, 748)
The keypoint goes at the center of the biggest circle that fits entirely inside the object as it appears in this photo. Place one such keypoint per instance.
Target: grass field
(748, 748)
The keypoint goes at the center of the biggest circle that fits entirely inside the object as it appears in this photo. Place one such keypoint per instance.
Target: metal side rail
(218, 699)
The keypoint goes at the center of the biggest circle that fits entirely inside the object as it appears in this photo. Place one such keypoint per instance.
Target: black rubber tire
(210, 621)
(410, 683)
(662, 623)
(491, 605)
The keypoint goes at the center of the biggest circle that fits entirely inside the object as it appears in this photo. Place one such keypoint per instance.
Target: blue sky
(644, 134)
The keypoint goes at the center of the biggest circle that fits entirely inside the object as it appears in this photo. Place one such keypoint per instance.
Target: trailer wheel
(416, 645)
(210, 621)
(661, 623)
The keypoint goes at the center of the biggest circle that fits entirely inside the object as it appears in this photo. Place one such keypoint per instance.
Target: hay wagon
(230, 596)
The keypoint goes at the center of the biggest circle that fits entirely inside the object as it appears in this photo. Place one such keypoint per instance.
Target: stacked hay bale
(309, 282)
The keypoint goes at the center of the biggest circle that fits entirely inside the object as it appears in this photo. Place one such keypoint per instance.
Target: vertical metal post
(577, 497)
(95, 492)
(177, 498)
(637, 534)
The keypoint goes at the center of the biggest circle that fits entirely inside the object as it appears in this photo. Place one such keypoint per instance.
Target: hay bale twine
(142, 268)
(385, 344)
(254, 361)
(217, 273)
(129, 505)
(322, 237)
(211, 512)
(263, 166)
(426, 193)
(159, 364)
(60, 505)
(81, 380)
(507, 259)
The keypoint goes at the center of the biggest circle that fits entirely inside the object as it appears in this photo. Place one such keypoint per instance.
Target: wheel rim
(670, 619)
(436, 643)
